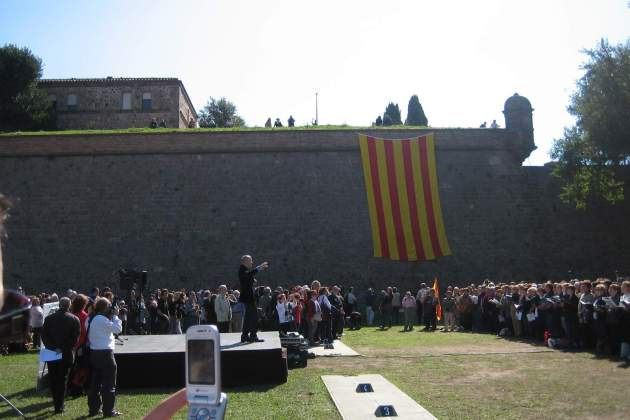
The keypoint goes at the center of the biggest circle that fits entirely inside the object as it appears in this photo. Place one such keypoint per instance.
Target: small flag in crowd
(403, 198)
(438, 306)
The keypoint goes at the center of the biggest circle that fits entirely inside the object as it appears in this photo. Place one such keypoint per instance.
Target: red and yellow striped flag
(403, 198)
(438, 305)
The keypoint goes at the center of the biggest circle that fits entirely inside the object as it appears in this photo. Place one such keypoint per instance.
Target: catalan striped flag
(438, 304)
(403, 198)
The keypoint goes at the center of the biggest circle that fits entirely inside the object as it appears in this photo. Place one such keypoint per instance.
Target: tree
(23, 106)
(591, 152)
(219, 113)
(392, 115)
(379, 121)
(415, 113)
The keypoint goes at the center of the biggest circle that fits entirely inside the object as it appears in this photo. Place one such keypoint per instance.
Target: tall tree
(219, 113)
(589, 153)
(392, 115)
(23, 106)
(415, 113)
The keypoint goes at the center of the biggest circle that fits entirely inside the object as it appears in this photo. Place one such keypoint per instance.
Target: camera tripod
(12, 406)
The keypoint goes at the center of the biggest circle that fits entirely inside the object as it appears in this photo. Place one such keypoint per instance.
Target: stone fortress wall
(186, 205)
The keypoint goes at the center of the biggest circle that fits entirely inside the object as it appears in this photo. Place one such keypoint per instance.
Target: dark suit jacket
(61, 331)
(246, 280)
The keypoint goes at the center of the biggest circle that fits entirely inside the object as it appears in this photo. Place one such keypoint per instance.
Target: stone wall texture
(185, 206)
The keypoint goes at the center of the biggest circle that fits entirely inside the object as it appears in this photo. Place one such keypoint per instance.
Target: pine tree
(415, 113)
(392, 115)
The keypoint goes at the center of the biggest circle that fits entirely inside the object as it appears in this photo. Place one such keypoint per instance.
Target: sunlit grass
(435, 369)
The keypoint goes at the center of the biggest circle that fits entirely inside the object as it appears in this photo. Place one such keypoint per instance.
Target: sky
(463, 59)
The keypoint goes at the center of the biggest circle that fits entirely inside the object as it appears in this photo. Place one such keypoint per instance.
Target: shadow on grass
(8, 412)
(25, 393)
(251, 388)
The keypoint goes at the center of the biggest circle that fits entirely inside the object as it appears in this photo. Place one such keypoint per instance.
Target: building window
(53, 102)
(72, 102)
(146, 101)
(126, 101)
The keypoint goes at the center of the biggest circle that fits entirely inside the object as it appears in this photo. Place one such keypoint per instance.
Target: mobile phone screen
(201, 362)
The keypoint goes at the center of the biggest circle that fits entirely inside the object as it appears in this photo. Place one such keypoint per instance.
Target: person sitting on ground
(153, 123)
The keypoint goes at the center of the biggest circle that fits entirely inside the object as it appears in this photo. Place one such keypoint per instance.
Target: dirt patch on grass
(465, 349)
(482, 375)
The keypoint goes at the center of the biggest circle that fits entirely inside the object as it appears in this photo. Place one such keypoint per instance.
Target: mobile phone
(203, 365)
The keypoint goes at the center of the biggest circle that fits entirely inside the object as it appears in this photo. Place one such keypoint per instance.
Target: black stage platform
(158, 360)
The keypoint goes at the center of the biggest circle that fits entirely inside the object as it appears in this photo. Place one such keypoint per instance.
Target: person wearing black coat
(60, 333)
(246, 273)
(569, 306)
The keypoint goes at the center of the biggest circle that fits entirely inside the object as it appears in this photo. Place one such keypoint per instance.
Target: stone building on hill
(119, 102)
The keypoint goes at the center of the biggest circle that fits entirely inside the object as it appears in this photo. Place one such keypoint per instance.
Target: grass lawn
(453, 375)
(146, 130)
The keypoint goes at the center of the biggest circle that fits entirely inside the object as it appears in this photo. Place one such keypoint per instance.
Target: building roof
(117, 81)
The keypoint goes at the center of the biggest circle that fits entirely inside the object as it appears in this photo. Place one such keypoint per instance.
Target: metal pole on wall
(316, 110)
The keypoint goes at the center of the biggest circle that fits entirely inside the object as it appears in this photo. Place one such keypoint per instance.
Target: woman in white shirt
(285, 317)
(36, 321)
(101, 329)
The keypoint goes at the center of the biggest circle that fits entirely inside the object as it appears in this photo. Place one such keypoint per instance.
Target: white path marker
(354, 405)
(339, 350)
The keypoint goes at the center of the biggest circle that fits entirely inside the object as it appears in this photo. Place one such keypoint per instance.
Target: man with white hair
(60, 334)
(246, 273)
(223, 309)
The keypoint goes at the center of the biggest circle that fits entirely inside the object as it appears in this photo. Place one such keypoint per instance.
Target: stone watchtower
(518, 119)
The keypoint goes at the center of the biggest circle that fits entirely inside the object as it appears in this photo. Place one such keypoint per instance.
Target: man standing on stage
(246, 279)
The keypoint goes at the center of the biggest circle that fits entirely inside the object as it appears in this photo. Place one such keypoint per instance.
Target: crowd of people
(571, 314)
(576, 314)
